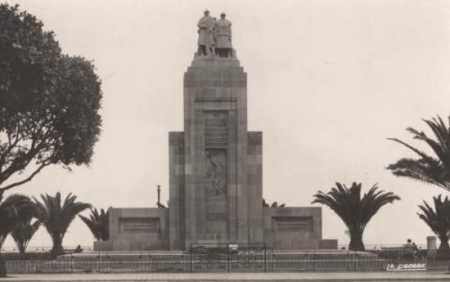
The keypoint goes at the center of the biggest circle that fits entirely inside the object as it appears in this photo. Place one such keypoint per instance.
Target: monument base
(136, 229)
(145, 229)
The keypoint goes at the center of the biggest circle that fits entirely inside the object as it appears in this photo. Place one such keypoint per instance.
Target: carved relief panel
(139, 225)
(216, 142)
(216, 129)
(216, 172)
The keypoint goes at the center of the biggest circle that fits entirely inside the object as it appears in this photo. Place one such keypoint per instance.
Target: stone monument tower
(215, 164)
(215, 170)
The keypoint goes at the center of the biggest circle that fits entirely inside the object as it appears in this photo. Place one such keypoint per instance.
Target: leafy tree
(438, 219)
(433, 169)
(49, 102)
(353, 210)
(14, 210)
(23, 233)
(98, 223)
(57, 215)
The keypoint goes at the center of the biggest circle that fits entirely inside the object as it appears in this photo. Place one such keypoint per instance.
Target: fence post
(314, 264)
(191, 259)
(71, 263)
(228, 258)
(99, 262)
(265, 258)
(150, 263)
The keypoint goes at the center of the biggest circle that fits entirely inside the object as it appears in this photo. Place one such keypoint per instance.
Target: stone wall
(136, 229)
(293, 228)
(254, 187)
(176, 191)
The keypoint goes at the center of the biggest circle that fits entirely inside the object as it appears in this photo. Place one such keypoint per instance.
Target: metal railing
(222, 258)
(240, 261)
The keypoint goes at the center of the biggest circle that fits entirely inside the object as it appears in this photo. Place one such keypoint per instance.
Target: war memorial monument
(215, 168)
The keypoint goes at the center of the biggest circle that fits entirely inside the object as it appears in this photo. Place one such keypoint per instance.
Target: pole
(159, 193)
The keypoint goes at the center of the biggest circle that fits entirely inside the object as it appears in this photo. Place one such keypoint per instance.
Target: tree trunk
(3, 272)
(57, 245)
(444, 249)
(21, 248)
(356, 243)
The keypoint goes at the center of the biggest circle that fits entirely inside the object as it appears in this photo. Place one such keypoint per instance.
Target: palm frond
(98, 223)
(14, 210)
(437, 218)
(435, 169)
(23, 233)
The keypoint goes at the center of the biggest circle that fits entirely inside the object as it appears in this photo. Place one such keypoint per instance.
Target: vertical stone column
(215, 123)
(176, 190)
(254, 180)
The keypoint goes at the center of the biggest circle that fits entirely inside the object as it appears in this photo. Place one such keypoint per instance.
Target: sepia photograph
(224, 140)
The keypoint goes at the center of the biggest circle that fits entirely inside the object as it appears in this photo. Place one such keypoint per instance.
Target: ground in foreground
(247, 277)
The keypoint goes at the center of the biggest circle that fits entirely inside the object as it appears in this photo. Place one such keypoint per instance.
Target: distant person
(409, 249)
(408, 244)
(78, 249)
(415, 250)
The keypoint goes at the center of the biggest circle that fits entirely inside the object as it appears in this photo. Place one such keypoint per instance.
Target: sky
(328, 82)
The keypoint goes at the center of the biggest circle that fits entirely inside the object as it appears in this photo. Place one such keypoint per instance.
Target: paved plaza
(372, 276)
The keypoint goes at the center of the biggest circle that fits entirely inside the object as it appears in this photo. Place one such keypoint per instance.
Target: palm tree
(353, 210)
(13, 210)
(23, 233)
(276, 205)
(56, 216)
(273, 205)
(98, 223)
(438, 219)
(433, 169)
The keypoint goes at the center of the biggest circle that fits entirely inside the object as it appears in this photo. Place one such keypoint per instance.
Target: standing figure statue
(222, 35)
(206, 35)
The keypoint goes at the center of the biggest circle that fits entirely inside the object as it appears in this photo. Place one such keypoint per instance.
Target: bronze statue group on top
(214, 36)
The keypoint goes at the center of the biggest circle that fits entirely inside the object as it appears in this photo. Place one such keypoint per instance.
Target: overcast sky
(328, 82)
